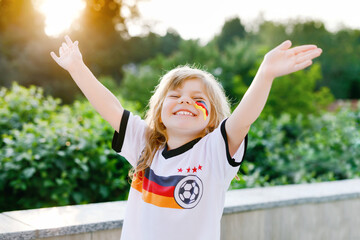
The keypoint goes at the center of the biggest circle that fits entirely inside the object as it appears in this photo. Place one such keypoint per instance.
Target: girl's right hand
(69, 54)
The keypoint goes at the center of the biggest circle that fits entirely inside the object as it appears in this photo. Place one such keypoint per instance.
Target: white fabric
(199, 193)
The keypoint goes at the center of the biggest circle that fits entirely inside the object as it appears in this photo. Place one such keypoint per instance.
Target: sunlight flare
(59, 14)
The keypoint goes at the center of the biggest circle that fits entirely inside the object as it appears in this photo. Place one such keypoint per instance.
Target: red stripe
(153, 187)
(160, 201)
(202, 105)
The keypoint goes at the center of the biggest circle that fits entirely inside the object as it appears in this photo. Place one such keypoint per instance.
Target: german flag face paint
(201, 105)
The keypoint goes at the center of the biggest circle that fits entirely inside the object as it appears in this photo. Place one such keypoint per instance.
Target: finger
(76, 43)
(285, 45)
(64, 46)
(303, 48)
(304, 56)
(61, 51)
(53, 55)
(302, 65)
(68, 41)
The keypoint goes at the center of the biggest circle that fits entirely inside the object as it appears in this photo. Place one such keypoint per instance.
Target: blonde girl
(186, 152)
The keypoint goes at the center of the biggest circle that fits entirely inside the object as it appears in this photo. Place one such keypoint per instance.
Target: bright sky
(202, 19)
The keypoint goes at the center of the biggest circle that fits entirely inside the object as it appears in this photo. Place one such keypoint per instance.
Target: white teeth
(184, 113)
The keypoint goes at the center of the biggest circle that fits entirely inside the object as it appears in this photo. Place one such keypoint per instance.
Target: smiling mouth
(184, 113)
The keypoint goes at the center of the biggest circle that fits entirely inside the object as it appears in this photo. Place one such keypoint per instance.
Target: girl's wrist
(265, 73)
(76, 65)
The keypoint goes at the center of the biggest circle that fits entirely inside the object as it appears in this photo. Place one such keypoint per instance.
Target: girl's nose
(185, 99)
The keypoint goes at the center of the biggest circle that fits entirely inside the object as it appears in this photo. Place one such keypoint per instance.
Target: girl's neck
(175, 142)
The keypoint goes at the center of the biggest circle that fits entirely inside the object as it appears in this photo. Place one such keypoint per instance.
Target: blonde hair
(156, 135)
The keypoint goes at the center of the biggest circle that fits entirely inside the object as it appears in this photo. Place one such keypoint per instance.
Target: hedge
(53, 154)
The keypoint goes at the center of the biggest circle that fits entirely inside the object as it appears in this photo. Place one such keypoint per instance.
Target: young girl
(188, 150)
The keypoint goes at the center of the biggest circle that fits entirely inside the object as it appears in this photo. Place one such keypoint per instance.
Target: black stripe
(162, 181)
(118, 138)
(231, 160)
(177, 151)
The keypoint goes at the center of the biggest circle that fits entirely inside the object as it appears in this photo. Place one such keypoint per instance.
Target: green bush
(20, 105)
(292, 150)
(55, 155)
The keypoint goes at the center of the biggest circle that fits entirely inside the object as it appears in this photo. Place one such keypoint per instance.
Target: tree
(268, 33)
(236, 67)
(19, 24)
(339, 61)
(102, 35)
(232, 29)
(170, 42)
(25, 48)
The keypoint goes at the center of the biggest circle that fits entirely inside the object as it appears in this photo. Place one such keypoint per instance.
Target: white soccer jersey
(182, 194)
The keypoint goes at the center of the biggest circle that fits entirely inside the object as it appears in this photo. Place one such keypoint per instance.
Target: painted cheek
(202, 107)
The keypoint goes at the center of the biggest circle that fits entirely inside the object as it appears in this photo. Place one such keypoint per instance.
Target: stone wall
(328, 210)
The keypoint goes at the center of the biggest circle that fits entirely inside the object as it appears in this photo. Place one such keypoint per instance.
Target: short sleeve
(129, 142)
(223, 165)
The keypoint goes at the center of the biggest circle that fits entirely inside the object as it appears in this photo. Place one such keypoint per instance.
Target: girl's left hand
(282, 60)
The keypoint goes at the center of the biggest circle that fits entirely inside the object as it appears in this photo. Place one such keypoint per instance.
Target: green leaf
(29, 172)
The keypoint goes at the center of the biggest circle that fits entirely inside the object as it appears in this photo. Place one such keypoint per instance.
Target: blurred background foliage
(56, 150)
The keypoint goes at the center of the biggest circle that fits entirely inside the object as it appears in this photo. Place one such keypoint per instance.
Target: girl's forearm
(105, 103)
(254, 100)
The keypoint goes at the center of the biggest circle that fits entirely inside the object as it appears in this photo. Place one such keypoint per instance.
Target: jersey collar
(177, 151)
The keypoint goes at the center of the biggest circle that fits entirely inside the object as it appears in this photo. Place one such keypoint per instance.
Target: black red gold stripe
(157, 190)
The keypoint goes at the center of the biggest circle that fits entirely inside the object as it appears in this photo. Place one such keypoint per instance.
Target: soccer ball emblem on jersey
(188, 191)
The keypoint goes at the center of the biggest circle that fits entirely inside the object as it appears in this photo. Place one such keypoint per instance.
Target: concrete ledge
(288, 195)
(97, 219)
(68, 220)
(14, 229)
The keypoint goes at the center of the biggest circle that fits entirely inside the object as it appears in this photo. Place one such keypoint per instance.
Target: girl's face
(179, 113)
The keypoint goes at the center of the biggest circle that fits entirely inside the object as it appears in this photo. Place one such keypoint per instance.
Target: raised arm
(278, 62)
(105, 103)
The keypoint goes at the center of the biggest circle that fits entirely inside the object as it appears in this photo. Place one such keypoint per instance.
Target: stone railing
(328, 210)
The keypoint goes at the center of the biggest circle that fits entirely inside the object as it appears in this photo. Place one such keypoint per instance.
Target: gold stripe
(201, 109)
(160, 201)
